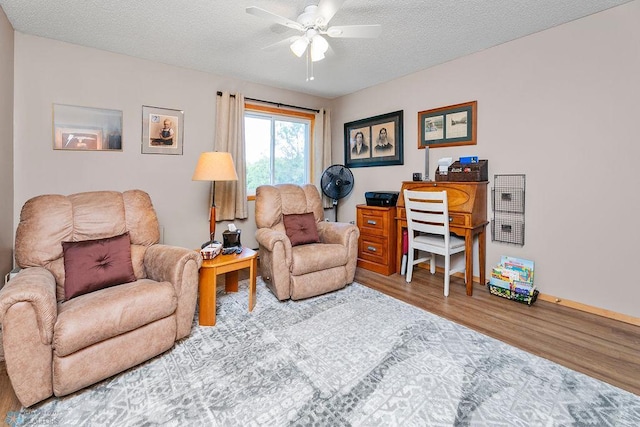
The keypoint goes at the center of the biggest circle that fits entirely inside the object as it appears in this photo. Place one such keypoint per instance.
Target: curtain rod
(273, 103)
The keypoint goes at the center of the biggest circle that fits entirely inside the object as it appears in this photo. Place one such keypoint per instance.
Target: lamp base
(212, 223)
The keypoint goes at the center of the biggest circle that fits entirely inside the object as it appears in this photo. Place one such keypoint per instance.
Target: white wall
(48, 71)
(6, 146)
(560, 106)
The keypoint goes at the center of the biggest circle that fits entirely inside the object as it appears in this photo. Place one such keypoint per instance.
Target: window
(277, 147)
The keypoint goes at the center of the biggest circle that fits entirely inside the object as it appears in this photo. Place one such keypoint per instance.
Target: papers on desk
(444, 163)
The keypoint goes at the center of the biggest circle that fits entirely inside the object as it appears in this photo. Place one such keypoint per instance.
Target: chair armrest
(164, 263)
(269, 238)
(179, 266)
(36, 286)
(337, 232)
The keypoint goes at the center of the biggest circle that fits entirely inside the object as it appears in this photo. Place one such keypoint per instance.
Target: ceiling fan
(313, 23)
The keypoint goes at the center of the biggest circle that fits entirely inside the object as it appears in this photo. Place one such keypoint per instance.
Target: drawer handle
(371, 248)
(450, 219)
(372, 222)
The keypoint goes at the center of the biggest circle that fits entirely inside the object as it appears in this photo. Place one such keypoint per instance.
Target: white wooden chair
(428, 227)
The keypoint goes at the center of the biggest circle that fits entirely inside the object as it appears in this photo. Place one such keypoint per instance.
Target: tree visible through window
(276, 149)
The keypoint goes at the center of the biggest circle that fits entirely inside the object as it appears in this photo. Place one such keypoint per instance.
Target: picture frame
(448, 126)
(79, 128)
(162, 130)
(374, 141)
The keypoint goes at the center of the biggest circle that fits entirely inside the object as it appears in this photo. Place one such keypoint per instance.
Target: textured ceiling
(219, 37)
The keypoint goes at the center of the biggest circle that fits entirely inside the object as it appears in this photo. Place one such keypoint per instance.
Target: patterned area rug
(354, 357)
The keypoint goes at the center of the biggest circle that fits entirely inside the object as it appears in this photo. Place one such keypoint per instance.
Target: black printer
(381, 198)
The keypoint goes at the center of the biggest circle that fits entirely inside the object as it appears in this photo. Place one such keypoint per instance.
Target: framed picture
(448, 126)
(376, 141)
(161, 130)
(86, 129)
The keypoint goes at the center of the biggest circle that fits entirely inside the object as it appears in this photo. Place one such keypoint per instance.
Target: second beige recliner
(306, 270)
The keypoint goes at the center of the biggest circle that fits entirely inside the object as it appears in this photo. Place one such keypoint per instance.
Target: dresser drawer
(373, 222)
(373, 248)
(377, 242)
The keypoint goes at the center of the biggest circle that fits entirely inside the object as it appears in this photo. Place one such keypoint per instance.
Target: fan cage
(330, 175)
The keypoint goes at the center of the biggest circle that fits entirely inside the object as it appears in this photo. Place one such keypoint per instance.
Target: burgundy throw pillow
(91, 265)
(301, 228)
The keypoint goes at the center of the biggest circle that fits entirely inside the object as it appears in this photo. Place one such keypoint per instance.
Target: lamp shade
(215, 166)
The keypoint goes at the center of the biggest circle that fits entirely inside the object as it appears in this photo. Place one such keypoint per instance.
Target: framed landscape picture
(448, 126)
(375, 141)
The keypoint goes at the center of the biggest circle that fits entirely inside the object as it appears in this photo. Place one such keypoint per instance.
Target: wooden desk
(229, 264)
(467, 218)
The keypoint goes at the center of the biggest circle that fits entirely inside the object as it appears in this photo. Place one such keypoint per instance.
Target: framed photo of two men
(374, 141)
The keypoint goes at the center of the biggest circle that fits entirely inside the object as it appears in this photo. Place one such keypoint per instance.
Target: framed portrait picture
(162, 130)
(448, 126)
(86, 129)
(375, 141)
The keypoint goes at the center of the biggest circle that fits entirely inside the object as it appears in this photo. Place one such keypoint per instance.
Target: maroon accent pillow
(91, 265)
(301, 228)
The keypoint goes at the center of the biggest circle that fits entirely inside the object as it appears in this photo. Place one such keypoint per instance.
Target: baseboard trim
(591, 309)
(563, 302)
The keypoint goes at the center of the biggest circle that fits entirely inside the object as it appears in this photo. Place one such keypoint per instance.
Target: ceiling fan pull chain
(309, 66)
(307, 63)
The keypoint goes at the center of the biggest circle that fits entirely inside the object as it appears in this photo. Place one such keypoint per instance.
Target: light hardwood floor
(602, 348)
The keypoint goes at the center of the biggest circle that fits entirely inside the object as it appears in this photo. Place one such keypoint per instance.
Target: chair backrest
(48, 220)
(274, 201)
(427, 212)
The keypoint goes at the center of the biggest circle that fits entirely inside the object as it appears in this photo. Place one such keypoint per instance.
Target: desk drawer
(373, 248)
(458, 219)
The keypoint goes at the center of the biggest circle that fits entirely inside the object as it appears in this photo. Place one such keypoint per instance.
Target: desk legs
(468, 258)
(207, 288)
(482, 255)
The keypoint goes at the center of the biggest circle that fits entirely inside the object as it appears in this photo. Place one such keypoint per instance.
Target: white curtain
(322, 150)
(231, 196)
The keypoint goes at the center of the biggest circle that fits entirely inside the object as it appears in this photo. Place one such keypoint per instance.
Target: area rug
(354, 357)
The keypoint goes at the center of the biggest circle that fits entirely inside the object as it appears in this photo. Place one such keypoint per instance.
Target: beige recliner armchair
(60, 333)
(307, 264)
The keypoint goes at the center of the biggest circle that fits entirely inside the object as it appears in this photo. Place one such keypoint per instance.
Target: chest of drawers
(377, 243)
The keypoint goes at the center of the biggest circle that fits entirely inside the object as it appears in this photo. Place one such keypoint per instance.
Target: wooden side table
(229, 265)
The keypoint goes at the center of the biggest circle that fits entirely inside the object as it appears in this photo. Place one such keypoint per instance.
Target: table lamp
(214, 166)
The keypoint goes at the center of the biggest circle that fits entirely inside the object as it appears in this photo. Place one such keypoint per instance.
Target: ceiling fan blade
(355, 31)
(328, 8)
(265, 14)
(282, 43)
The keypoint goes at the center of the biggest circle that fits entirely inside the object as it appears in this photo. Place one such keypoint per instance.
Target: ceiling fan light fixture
(316, 55)
(320, 43)
(299, 46)
(319, 47)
